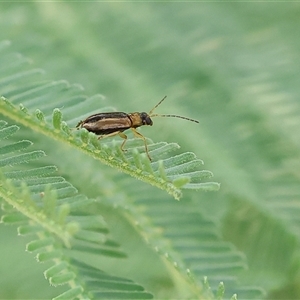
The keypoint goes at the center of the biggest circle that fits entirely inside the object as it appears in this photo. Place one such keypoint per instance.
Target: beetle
(108, 124)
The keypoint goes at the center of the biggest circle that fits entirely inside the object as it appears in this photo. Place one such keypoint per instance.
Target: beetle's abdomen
(106, 123)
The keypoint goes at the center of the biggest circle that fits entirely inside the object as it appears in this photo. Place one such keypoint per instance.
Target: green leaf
(54, 226)
(134, 164)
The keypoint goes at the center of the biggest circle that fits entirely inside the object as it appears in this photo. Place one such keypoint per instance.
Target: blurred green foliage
(234, 67)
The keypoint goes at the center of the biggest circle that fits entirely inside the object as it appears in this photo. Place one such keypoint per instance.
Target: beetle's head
(146, 120)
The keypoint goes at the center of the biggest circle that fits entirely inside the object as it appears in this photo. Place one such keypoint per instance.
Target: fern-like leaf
(189, 241)
(46, 207)
(170, 174)
(38, 109)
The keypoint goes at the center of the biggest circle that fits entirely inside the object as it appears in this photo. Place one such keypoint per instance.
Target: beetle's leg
(123, 136)
(108, 135)
(79, 124)
(139, 135)
(120, 133)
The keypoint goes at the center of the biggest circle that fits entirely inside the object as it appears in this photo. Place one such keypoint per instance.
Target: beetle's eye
(146, 119)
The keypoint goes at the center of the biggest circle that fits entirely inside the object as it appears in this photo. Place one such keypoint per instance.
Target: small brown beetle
(112, 123)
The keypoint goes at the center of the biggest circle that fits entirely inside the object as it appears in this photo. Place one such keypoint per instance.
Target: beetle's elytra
(113, 123)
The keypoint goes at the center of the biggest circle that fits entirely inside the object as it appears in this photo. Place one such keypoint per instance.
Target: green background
(234, 66)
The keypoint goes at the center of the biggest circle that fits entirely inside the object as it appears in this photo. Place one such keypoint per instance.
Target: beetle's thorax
(140, 119)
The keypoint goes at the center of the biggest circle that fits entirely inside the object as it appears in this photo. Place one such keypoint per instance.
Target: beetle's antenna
(151, 111)
(168, 116)
(175, 116)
